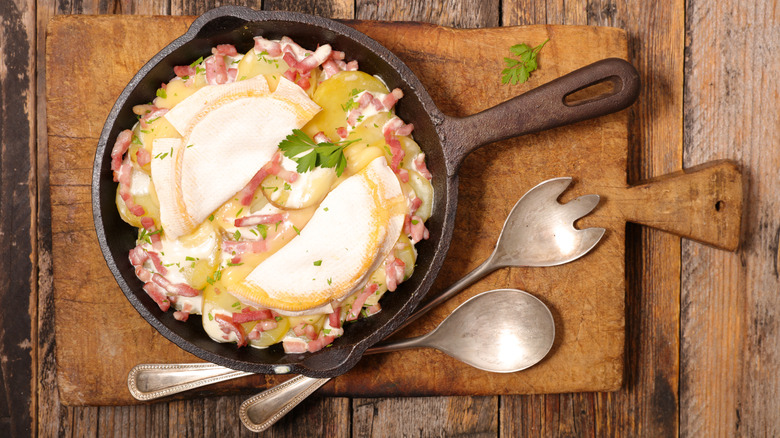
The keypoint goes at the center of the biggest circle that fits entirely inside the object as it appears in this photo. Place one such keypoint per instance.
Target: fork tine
(590, 237)
(581, 206)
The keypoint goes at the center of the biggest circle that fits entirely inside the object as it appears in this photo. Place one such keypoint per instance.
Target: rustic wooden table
(703, 336)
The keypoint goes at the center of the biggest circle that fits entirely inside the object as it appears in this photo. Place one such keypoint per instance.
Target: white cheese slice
(351, 233)
(228, 133)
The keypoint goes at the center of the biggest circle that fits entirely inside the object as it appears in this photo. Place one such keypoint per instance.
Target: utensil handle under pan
(548, 106)
(261, 411)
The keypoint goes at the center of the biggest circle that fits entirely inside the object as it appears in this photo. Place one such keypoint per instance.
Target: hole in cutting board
(599, 90)
(719, 205)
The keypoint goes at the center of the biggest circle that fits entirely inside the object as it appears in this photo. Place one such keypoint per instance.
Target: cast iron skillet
(445, 140)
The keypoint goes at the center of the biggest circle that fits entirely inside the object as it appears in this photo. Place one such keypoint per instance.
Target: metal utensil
(539, 231)
(501, 331)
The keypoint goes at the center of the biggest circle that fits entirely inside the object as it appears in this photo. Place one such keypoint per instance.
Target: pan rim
(304, 366)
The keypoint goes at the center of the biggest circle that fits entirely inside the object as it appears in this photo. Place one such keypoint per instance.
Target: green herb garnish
(161, 93)
(318, 263)
(518, 70)
(303, 150)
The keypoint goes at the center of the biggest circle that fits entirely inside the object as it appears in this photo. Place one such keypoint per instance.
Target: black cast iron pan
(445, 140)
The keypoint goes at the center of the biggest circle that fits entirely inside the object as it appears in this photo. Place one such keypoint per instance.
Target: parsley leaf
(161, 93)
(517, 71)
(325, 154)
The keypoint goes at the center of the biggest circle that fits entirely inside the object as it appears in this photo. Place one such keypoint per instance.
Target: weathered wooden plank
(730, 333)
(648, 401)
(188, 7)
(453, 13)
(330, 9)
(18, 206)
(425, 416)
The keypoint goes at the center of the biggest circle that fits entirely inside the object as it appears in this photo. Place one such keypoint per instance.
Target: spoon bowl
(501, 331)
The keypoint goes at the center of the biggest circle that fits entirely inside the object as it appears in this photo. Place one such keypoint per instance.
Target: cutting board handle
(548, 106)
(703, 203)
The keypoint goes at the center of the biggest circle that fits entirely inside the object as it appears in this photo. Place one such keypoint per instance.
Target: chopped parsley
(318, 263)
(303, 150)
(263, 230)
(161, 93)
(240, 210)
(297, 231)
(278, 318)
(211, 218)
(237, 235)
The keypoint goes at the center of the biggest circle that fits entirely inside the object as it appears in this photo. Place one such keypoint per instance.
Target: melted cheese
(350, 234)
(228, 133)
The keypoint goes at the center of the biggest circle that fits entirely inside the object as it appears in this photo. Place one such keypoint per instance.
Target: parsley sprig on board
(518, 70)
(325, 154)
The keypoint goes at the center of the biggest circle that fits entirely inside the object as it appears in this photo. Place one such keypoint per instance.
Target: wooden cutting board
(100, 337)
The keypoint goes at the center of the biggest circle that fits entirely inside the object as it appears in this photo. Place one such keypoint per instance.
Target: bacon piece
(394, 272)
(181, 316)
(143, 274)
(216, 70)
(407, 228)
(421, 167)
(147, 223)
(181, 289)
(125, 177)
(330, 68)
(319, 344)
(418, 230)
(334, 319)
(321, 137)
(337, 55)
(150, 117)
(365, 100)
(143, 157)
(314, 60)
(294, 345)
(184, 71)
(157, 294)
(244, 246)
(392, 98)
(158, 265)
(121, 146)
(227, 326)
(291, 61)
(342, 132)
(232, 74)
(405, 129)
(354, 116)
(403, 175)
(300, 329)
(415, 204)
(351, 66)
(225, 50)
(271, 168)
(354, 311)
(267, 324)
(252, 315)
(396, 151)
(373, 310)
(138, 256)
(257, 219)
(310, 332)
(273, 48)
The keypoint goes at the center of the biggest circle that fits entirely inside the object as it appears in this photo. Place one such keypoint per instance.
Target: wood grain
(725, 296)
(18, 266)
(730, 330)
(648, 402)
(589, 345)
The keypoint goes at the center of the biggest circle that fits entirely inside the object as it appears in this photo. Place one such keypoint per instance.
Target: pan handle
(542, 108)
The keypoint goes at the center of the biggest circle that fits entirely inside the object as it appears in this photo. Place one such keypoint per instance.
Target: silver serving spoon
(500, 331)
(538, 232)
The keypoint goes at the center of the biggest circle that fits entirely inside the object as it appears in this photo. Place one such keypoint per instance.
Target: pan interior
(230, 25)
